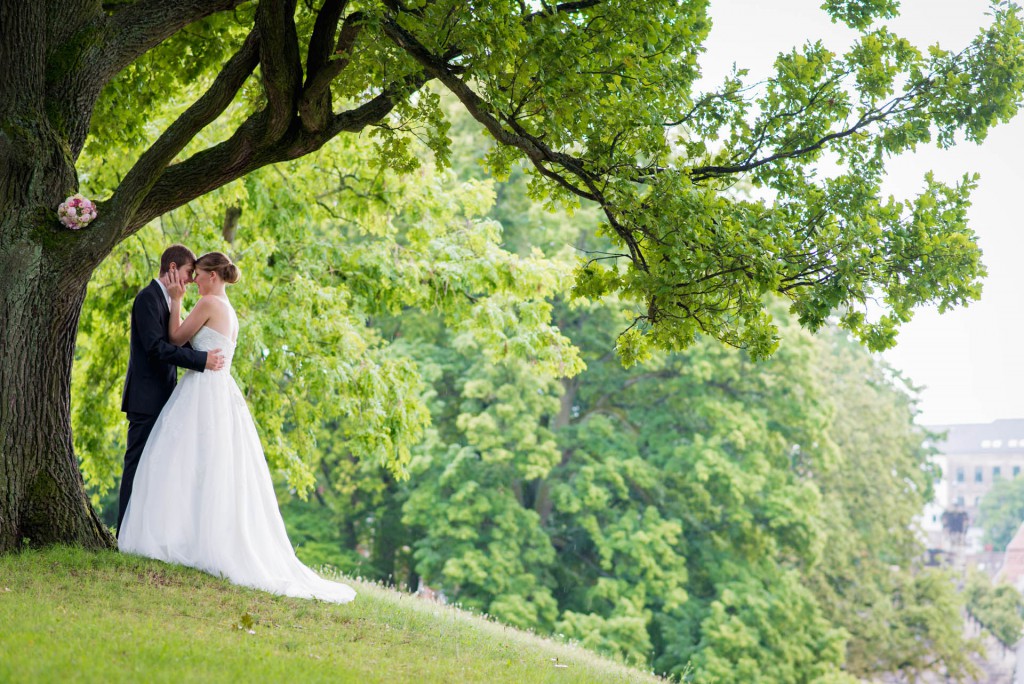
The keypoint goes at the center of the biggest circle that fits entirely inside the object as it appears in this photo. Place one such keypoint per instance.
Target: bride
(203, 496)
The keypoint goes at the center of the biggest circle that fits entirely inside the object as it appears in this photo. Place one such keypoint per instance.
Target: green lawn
(72, 615)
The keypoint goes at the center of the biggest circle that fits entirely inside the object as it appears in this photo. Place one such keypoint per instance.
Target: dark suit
(152, 375)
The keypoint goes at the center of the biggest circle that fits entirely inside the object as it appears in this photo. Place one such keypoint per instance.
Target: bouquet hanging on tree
(76, 212)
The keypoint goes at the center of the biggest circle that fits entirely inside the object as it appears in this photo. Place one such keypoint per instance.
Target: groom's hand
(214, 360)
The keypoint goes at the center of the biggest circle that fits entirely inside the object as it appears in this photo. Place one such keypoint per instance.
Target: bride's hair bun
(230, 273)
(220, 264)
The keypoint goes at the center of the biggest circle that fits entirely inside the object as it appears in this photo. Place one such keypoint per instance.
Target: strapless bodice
(207, 338)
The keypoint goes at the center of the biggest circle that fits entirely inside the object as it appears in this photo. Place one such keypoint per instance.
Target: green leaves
(1002, 511)
(701, 257)
(246, 623)
(999, 608)
(432, 357)
(713, 199)
(861, 13)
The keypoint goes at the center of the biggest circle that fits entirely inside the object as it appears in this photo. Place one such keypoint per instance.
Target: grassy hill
(73, 615)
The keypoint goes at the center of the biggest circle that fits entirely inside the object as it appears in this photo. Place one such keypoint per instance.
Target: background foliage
(440, 412)
(462, 389)
(998, 607)
(1001, 512)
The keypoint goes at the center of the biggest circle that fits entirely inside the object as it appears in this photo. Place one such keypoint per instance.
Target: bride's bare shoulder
(214, 304)
(214, 301)
(219, 313)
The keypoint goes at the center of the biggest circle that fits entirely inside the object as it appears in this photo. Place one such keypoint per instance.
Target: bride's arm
(180, 332)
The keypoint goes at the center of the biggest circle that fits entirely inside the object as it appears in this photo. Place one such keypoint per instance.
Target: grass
(68, 615)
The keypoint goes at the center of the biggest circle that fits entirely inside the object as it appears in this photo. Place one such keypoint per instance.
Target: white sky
(968, 361)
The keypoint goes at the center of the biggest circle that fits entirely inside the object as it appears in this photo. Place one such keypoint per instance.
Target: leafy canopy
(703, 514)
(432, 348)
(599, 99)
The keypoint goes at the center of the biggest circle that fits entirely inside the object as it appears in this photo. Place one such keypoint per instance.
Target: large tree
(598, 95)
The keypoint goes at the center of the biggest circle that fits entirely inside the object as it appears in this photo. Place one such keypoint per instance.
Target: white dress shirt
(164, 290)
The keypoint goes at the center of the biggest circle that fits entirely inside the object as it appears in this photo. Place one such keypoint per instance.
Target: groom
(151, 365)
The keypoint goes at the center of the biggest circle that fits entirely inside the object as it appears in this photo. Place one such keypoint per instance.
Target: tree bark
(44, 270)
(542, 501)
(44, 498)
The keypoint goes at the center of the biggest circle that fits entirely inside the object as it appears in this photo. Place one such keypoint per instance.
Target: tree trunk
(44, 270)
(44, 498)
(388, 533)
(542, 502)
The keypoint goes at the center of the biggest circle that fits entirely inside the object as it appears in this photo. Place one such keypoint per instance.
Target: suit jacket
(151, 365)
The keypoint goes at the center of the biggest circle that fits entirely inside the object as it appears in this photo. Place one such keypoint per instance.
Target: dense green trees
(1001, 511)
(703, 513)
(148, 105)
(999, 608)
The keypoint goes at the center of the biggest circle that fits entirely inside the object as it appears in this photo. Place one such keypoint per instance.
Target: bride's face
(205, 281)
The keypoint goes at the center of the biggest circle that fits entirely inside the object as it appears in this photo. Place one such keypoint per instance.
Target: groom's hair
(179, 254)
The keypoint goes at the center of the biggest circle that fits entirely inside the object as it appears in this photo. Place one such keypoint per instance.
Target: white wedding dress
(203, 496)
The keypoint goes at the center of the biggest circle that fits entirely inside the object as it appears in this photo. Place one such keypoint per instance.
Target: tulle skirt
(203, 496)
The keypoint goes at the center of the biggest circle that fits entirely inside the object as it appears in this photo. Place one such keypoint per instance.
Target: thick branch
(279, 64)
(141, 26)
(144, 174)
(315, 106)
(203, 172)
(563, 7)
(321, 43)
(243, 153)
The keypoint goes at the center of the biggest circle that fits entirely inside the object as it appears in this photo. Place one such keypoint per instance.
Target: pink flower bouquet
(76, 212)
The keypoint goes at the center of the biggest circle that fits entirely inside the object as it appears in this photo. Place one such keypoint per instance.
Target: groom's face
(185, 273)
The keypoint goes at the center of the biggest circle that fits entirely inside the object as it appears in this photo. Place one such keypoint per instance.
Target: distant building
(976, 456)
(972, 457)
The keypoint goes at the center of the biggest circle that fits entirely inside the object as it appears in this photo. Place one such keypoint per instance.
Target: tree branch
(139, 27)
(321, 43)
(247, 150)
(357, 119)
(315, 105)
(562, 7)
(478, 108)
(538, 152)
(880, 113)
(280, 64)
(703, 173)
(144, 174)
